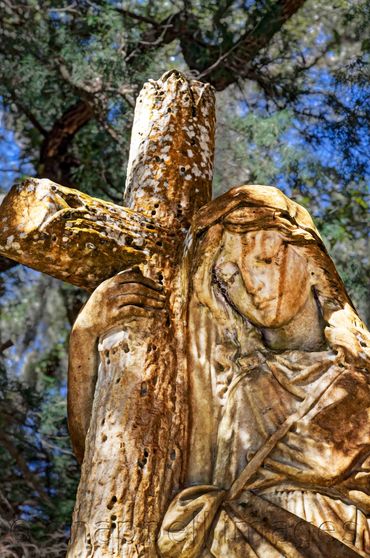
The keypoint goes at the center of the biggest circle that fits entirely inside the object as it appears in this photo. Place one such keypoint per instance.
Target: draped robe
(314, 481)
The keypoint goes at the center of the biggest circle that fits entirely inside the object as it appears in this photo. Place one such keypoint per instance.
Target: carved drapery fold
(233, 390)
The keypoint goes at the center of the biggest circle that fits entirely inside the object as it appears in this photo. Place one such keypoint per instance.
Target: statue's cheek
(232, 285)
(294, 284)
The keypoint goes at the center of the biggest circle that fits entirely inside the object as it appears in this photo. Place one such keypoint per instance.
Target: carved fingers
(126, 295)
(306, 459)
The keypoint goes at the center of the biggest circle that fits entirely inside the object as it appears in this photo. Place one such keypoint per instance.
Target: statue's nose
(253, 283)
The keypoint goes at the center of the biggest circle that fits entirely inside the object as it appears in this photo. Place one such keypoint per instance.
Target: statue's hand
(128, 294)
(304, 458)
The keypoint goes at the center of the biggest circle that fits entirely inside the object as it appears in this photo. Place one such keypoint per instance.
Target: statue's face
(266, 279)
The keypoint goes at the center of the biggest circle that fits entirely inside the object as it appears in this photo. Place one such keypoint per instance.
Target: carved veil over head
(219, 382)
(266, 238)
(278, 364)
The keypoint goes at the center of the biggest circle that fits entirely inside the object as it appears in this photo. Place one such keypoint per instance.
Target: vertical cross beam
(169, 174)
(136, 446)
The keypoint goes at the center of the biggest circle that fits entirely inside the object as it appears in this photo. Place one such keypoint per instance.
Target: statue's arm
(82, 373)
(128, 294)
(333, 439)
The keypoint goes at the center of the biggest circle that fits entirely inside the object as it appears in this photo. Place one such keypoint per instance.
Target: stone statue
(280, 391)
(219, 393)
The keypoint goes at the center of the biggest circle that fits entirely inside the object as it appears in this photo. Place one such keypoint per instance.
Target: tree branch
(234, 64)
(22, 465)
(55, 163)
(31, 117)
(220, 64)
(6, 263)
(137, 17)
(5, 346)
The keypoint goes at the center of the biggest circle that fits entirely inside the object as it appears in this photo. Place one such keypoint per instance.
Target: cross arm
(72, 236)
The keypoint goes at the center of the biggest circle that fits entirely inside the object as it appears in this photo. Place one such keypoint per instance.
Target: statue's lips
(262, 303)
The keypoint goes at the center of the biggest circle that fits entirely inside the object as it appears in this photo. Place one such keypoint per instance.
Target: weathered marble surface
(72, 236)
(279, 377)
(277, 363)
(219, 384)
(137, 434)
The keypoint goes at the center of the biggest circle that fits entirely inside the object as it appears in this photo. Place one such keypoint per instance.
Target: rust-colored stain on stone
(219, 382)
(74, 237)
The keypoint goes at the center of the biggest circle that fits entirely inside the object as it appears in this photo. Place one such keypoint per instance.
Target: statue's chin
(268, 317)
(301, 329)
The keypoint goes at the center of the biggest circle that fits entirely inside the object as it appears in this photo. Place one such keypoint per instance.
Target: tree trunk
(136, 447)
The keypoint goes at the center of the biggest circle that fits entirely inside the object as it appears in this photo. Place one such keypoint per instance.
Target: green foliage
(262, 147)
(41, 473)
(298, 119)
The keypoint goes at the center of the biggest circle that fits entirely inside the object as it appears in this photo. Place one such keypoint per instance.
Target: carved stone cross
(219, 393)
(84, 241)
